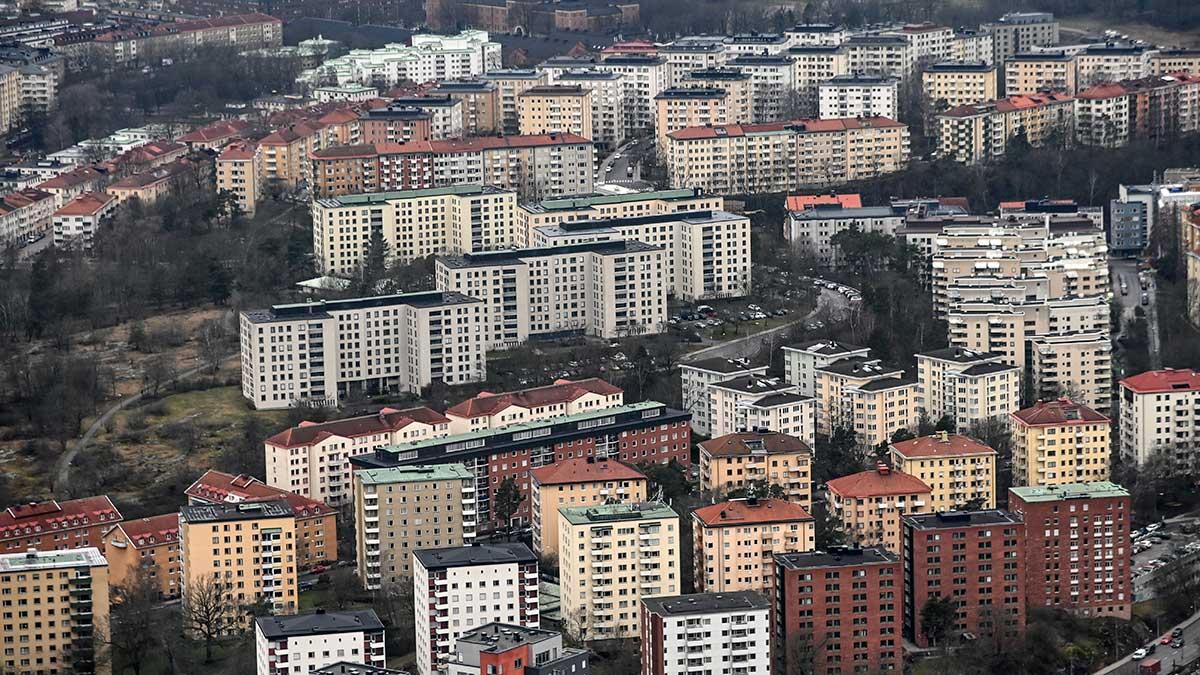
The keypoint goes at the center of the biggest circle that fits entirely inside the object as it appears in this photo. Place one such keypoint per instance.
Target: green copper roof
(1051, 493)
(414, 474)
(594, 200)
(465, 189)
(612, 513)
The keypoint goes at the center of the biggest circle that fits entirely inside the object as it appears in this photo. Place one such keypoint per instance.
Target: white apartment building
(814, 64)
(752, 402)
(858, 96)
(772, 79)
(351, 93)
(697, 376)
(816, 34)
(801, 362)
(754, 44)
(1077, 365)
(608, 103)
(884, 55)
(929, 42)
(414, 224)
(327, 352)
(430, 58)
(78, 221)
(692, 53)
(608, 289)
(492, 410)
(26, 212)
(301, 643)
(1113, 62)
(604, 207)
(812, 230)
(644, 77)
(39, 88)
(973, 45)
(707, 633)
(706, 254)
(1159, 415)
(461, 588)
(966, 386)
(313, 460)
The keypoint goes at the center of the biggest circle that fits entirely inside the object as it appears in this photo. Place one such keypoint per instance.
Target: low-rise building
(801, 361)
(57, 526)
(966, 386)
(600, 601)
(950, 84)
(303, 643)
(742, 460)
(498, 410)
(735, 542)
(698, 376)
(78, 222)
(1160, 414)
(725, 632)
(150, 186)
(24, 213)
(582, 481)
(515, 650)
(476, 585)
(869, 505)
(216, 135)
(349, 93)
(148, 547)
(1059, 442)
(752, 403)
(846, 96)
(960, 471)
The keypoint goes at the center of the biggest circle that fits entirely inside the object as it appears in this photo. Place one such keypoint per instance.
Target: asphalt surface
(620, 165)
(1170, 658)
(1121, 269)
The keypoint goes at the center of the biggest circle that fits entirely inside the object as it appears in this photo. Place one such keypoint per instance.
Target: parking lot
(1156, 547)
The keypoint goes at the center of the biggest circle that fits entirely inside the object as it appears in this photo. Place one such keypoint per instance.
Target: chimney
(944, 436)
(883, 469)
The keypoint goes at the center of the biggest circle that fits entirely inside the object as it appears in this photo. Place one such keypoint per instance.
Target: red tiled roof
(27, 519)
(86, 204)
(736, 512)
(152, 531)
(22, 199)
(1058, 412)
(804, 126)
(218, 487)
(877, 483)
(385, 421)
(340, 116)
(740, 444)
(1104, 90)
(801, 202)
(216, 131)
(1010, 104)
(584, 470)
(951, 445)
(1161, 381)
(238, 151)
(76, 176)
(561, 391)
(163, 173)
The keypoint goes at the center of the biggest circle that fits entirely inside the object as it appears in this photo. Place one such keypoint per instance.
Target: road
(829, 302)
(1125, 270)
(1170, 657)
(615, 169)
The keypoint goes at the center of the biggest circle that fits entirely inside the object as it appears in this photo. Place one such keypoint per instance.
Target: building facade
(1159, 414)
(582, 481)
(148, 547)
(57, 526)
(744, 460)
(960, 471)
(716, 632)
(870, 504)
(302, 643)
(736, 541)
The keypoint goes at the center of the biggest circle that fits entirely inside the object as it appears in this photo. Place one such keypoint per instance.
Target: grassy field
(1096, 25)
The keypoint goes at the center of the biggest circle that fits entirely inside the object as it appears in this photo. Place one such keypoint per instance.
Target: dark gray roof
(517, 257)
(722, 365)
(501, 637)
(706, 603)
(348, 668)
(987, 368)
(318, 623)
(780, 399)
(888, 383)
(217, 513)
(860, 367)
(825, 347)
(320, 310)
(835, 556)
(477, 554)
(956, 519)
(755, 384)
(959, 355)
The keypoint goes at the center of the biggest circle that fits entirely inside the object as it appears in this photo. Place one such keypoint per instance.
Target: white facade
(801, 362)
(1159, 413)
(324, 645)
(749, 403)
(644, 77)
(698, 376)
(608, 103)
(351, 92)
(812, 230)
(856, 96)
(816, 34)
(430, 58)
(772, 79)
(883, 55)
(708, 633)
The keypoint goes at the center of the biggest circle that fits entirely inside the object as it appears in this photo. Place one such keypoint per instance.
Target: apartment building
(607, 289)
(1075, 364)
(1113, 62)
(984, 576)
(256, 538)
(71, 586)
(516, 650)
(812, 230)
(986, 327)
(1078, 554)
(706, 632)
(966, 386)
(240, 173)
(801, 361)
(77, 223)
(57, 526)
(870, 504)
(175, 38)
(560, 108)
(973, 45)
(688, 54)
(1160, 413)
(458, 589)
(698, 376)
(960, 471)
(599, 549)
(1030, 73)
(612, 208)
(429, 58)
(1018, 32)
(1156, 108)
(753, 403)
(772, 79)
(24, 213)
(980, 132)
(644, 76)
(146, 546)
(872, 399)
(1059, 442)
(1167, 61)
(479, 101)
(495, 410)
(509, 84)
(884, 55)
(608, 111)
(312, 351)
(736, 541)
(748, 158)
(744, 460)
(821, 593)
(805, 34)
(769, 44)
(302, 643)
(812, 65)
(737, 84)
(582, 481)
(414, 224)
(316, 523)
(951, 84)
(423, 506)
(399, 122)
(845, 96)
(681, 107)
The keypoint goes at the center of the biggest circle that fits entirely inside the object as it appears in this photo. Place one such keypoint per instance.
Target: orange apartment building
(151, 544)
(869, 505)
(735, 461)
(735, 543)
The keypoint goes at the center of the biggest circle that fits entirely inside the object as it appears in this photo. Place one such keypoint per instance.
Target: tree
(208, 612)
(828, 529)
(157, 372)
(133, 627)
(671, 477)
(508, 500)
(839, 455)
(937, 618)
(214, 344)
(374, 265)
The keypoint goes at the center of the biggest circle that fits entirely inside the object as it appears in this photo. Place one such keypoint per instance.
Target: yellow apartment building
(148, 543)
(868, 505)
(735, 461)
(735, 543)
(959, 471)
(582, 481)
(1060, 442)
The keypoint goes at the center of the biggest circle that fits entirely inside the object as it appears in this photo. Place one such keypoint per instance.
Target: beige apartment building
(403, 509)
(510, 84)
(735, 543)
(1038, 72)
(980, 132)
(679, 108)
(953, 83)
(610, 207)
(1059, 442)
(10, 98)
(737, 84)
(312, 351)
(239, 172)
(556, 108)
(608, 104)
(607, 289)
(71, 586)
(959, 470)
(1113, 62)
(609, 558)
(779, 156)
(740, 460)
(246, 550)
(581, 481)
(149, 546)
(992, 328)
(868, 505)
(966, 386)
(1167, 61)
(497, 410)
(873, 399)
(479, 101)
(414, 224)
(1076, 365)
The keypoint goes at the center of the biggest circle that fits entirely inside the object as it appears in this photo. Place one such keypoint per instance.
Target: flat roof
(219, 513)
(583, 201)
(49, 560)
(475, 554)
(613, 513)
(1053, 493)
(416, 473)
(835, 556)
(318, 623)
(825, 347)
(501, 637)
(320, 310)
(956, 519)
(707, 603)
(518, 256)
(718, 364)
(366, 199)
(833, 212)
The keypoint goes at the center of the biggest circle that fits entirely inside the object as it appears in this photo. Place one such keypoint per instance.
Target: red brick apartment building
(1078, 553)
(974, 558)
(840, 608)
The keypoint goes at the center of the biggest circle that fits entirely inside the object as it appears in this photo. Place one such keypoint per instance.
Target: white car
(1140, 654)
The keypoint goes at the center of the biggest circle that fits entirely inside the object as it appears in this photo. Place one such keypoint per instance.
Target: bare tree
(157, 372)
(132, 624)
(214, 344)
(208, 612)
